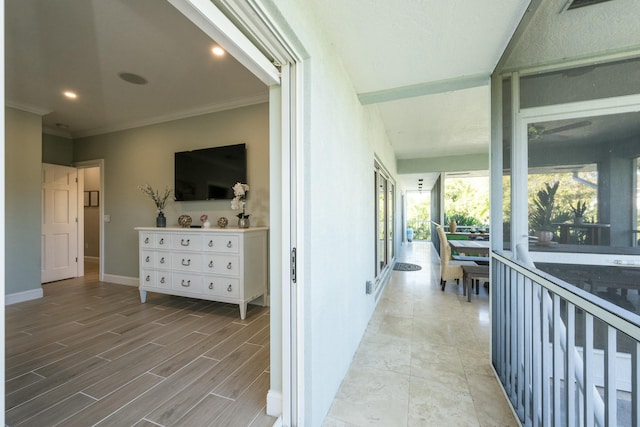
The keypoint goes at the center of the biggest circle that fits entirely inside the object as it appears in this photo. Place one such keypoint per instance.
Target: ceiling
(424, 66)
(82, 45)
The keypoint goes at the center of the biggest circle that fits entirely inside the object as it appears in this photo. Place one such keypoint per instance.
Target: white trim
(28, 108)
(206, 16)
(574, 110)
(121, 280)
(274, 403)
(23, 296)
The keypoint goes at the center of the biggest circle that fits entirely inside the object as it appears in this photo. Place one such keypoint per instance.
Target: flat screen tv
(209, 173)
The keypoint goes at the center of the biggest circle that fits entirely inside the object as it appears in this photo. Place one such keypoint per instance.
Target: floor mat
(404, 266)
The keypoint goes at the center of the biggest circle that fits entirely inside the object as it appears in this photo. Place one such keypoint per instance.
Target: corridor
(424, 358)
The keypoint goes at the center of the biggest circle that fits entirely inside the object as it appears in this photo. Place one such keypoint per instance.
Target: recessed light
(217, 51)
(69, 94)
(132, 78)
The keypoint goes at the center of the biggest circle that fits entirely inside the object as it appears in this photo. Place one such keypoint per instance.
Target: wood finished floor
(89, 353)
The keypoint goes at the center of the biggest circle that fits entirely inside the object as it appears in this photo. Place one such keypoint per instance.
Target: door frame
(99, 163)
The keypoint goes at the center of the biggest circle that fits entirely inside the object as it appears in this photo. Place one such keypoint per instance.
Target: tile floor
(424, 359)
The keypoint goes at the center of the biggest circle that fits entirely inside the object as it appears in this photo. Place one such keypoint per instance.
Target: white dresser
(226, 265)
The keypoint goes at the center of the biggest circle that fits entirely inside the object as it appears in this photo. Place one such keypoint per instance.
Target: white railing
(564, 357)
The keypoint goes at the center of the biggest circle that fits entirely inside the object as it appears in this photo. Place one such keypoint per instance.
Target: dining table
(471, 247)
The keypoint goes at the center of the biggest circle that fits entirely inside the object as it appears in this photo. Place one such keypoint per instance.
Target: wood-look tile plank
(152, 399)
(57, 413)
(40, 388)
(181, 359)
(241, 379)
(60, 363)
(148, 334)
(179, 328)
(263, 420)
(110, 384)
(233, 342)
(205, 412)
(111, 403)
(46, 350)
(21, 381)
(261, 338)
(177, 407)
(35, 340)
(245, 409)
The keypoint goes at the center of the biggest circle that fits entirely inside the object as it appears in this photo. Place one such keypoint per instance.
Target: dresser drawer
(186, 242)
(186, 261)
(163, 241)
(187, 282)
(222, 264)
(221, 286)
(147, 240)
(224, 243)
(156, 279)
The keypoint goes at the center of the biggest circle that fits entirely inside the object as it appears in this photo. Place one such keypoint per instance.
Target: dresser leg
(243, 310)
(143, 296)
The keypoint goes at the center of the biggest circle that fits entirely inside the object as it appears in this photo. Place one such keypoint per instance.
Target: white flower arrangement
(240, 199)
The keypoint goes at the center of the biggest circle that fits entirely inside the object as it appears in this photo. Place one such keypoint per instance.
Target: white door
(59, 222)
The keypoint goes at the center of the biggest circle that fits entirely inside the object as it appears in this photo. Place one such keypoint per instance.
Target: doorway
(91, 219)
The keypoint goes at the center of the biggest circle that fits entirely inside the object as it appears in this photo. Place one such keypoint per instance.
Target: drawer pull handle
(229, 288)
(182, 242)
(210, 243)
(162, 260)
(210, 264)
(229, 267)
(147, 259)
(187, 264)
(229, 244)
(147, 279)
(161, 242)
(146, 240)
(211, 285)
(188, 283)
(162, 280)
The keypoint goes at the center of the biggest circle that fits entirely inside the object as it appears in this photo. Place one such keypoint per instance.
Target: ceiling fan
(536, 131)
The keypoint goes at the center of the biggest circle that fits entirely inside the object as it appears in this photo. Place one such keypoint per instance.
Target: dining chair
(449, 269)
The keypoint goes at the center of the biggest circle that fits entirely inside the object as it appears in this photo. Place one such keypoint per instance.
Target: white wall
(341, 139)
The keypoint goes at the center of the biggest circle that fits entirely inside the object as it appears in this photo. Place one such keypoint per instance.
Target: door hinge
(76, 219)
(294, 266)
(76, 259)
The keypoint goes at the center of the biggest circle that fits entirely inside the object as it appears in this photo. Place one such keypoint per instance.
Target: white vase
(206, 224)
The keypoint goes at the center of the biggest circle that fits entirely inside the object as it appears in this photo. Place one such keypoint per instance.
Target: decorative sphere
(184, 221)
(223, 222)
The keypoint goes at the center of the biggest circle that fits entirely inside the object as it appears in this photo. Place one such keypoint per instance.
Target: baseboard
(23, 296)
(274, 403)
(121, 280)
